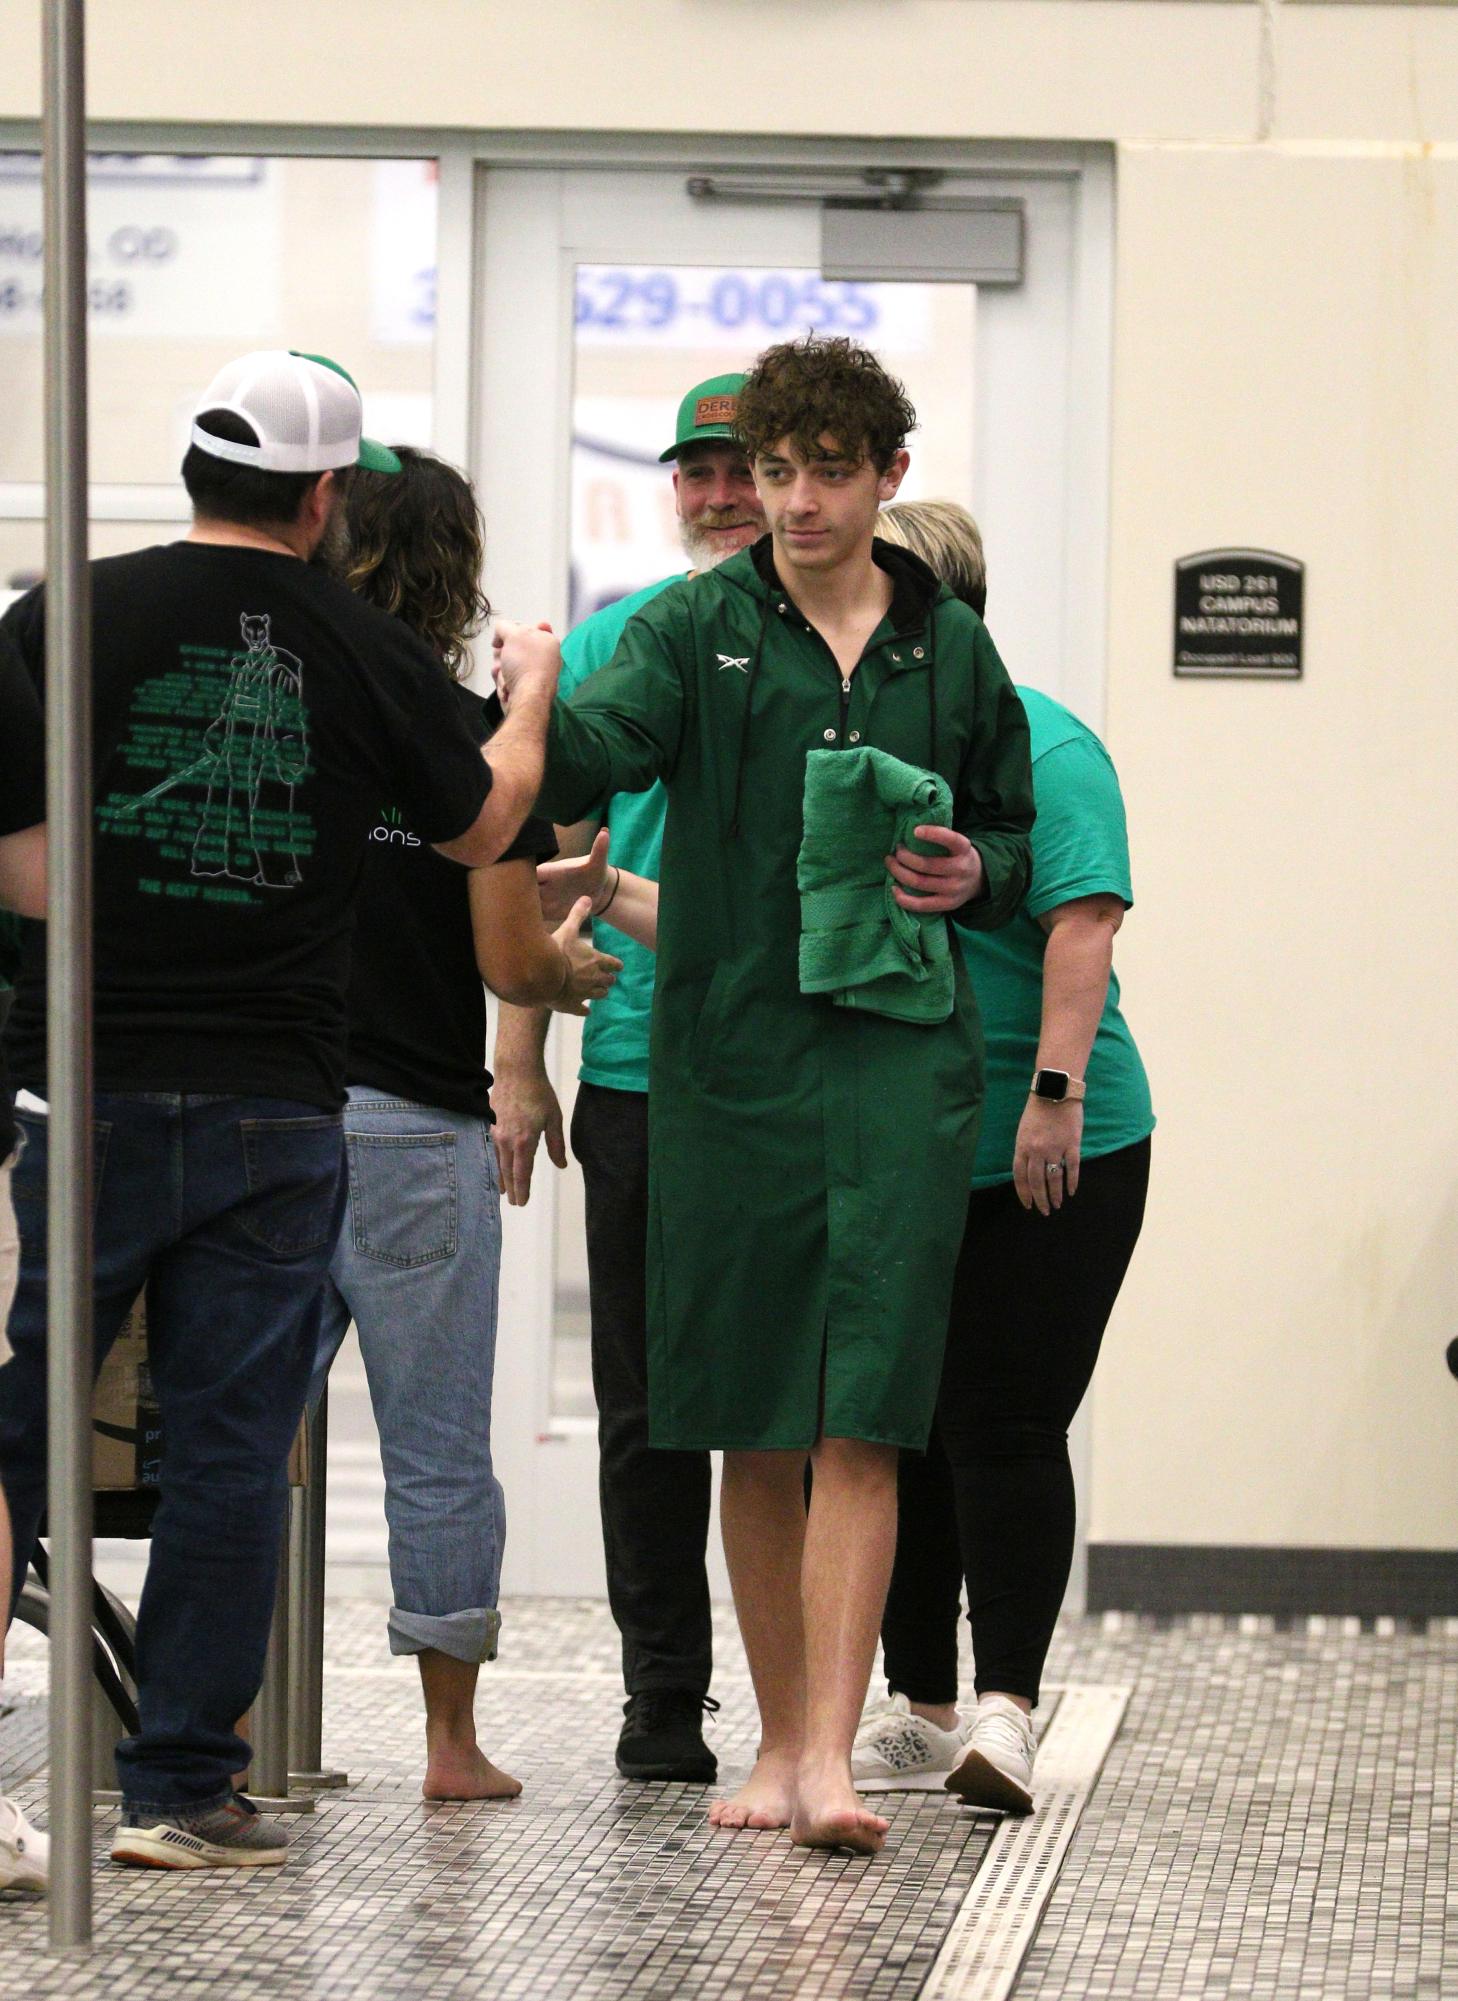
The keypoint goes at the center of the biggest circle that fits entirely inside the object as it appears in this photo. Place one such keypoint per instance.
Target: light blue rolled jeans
(417, 1270)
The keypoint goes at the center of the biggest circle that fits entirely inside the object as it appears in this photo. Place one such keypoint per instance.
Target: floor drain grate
(991, 1933)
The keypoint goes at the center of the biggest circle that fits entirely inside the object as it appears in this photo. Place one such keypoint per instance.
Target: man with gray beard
(655, 1505)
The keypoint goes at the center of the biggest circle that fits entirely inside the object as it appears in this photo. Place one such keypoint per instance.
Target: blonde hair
(946, 538)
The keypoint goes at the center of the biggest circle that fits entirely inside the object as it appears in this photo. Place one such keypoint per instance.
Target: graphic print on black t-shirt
(249, 715)
(392, 829)
(229, 808)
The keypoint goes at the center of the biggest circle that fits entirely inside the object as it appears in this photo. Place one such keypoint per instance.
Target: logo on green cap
(708, 411)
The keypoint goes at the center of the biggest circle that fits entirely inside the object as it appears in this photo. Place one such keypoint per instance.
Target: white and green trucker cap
(305, 409)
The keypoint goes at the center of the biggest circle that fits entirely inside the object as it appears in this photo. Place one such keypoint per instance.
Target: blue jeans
(417, 1269)
(226, 1209)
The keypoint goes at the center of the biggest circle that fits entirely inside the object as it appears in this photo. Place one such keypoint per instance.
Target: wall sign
(1238, 615)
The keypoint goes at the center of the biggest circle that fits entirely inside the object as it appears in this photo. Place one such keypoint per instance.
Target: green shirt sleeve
(994, 803)
(622, 729)
(1081, 841)
(586, 648)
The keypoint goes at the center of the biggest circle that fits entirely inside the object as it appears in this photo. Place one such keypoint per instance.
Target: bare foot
(766, 1799)
(828, 1813)
(464, 1772)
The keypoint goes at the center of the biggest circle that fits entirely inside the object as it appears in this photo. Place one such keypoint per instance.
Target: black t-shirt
(417, 1009)
(22, 802)
(251, 714)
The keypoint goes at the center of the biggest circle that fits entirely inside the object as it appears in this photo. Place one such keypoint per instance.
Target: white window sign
(402, 251)
(179, 248)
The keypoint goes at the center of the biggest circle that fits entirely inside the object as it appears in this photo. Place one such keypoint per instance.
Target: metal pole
(269, 1771)
(300, 1734)
(68, 968)
(306, 1609)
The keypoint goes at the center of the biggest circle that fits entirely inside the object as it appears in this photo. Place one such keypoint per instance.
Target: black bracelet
(617, 879)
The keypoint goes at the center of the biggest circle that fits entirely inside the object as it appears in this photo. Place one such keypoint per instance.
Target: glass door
(194, 258)
(603, 297)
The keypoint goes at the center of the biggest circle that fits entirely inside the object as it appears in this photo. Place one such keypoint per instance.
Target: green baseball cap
(707, 411)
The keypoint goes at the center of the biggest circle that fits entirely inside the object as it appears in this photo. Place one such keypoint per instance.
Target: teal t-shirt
(1080, 848)
(615, 1034)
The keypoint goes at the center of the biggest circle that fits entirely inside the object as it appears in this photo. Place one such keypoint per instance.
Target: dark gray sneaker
(234, 1835)
(663, 1737)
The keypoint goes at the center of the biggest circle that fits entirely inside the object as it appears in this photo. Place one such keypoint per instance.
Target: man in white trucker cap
(304, 408)
(251, 714)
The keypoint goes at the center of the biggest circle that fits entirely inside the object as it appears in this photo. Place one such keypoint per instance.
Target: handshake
(527, 661)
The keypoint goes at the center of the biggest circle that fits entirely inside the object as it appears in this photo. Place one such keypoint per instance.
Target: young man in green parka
(809, 1162)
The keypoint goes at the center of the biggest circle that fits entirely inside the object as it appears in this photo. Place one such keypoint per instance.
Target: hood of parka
(915, 591)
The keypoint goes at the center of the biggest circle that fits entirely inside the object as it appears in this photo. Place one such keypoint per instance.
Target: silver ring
(1054, 1167)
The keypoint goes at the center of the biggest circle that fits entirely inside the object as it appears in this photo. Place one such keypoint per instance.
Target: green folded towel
(856, 942)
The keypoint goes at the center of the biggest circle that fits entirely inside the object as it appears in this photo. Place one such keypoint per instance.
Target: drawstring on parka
(764, 612)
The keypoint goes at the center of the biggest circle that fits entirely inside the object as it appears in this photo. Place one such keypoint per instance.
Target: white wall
(1032, 68)
(1285, 378)
(1007, 69)
(1287, 286)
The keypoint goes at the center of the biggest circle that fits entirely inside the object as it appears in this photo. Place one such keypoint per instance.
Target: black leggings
(992, 1497)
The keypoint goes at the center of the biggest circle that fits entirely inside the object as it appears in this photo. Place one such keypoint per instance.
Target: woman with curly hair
(418, 1259)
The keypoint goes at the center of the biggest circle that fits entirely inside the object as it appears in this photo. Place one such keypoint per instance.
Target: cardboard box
(126, 1426)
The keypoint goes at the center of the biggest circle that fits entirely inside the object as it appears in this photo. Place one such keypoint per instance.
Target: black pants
(992, 1498)
(655, 1504)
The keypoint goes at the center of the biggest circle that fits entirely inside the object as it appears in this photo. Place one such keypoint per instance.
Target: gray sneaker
(234, 1835)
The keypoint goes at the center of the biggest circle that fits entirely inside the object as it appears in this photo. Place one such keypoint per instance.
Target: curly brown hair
(823, 385)
(416, 544)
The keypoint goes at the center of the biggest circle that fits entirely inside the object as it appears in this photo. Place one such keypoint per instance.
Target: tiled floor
(584, 1887)
(1275, 1820)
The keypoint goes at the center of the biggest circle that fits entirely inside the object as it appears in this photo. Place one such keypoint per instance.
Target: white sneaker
(896, 1751)
(25, 1854)
(996, 1769)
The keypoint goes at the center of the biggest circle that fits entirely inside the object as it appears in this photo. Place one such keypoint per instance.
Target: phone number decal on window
(693, 305)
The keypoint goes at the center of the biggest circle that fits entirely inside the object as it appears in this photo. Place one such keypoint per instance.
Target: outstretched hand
(930, 884)
(589, 973)
(561, 883)
(525, 655)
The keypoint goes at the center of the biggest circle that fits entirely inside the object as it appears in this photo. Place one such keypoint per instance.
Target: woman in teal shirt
(1058, 1199)
(1056, 1206)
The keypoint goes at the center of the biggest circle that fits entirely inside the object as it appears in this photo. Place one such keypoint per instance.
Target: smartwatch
(1055, 1087)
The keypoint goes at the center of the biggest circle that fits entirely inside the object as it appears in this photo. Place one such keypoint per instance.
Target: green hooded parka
(810, 1164)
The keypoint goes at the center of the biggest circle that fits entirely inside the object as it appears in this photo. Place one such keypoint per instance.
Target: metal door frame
(459, 331)
(540, 1536)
